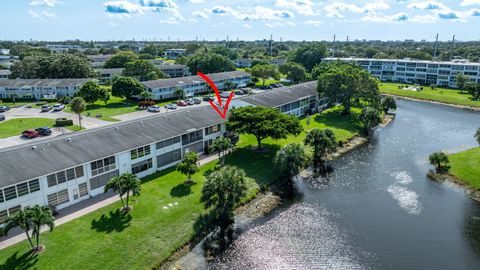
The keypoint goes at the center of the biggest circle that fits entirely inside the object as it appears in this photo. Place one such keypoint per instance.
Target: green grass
(106, 240)
(466, 166)
(115, 106)
(445, 95)
(16, 126)
(267, 82)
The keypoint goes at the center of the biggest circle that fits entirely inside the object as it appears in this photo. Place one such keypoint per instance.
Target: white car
(154, 109)
(58, 107)
(225, 94)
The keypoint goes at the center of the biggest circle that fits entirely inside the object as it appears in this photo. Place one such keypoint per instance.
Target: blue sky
(215, 19)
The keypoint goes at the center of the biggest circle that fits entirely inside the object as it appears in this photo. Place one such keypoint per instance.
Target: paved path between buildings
(79, 209)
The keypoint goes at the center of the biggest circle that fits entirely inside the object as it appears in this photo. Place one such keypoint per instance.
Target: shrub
(62, 122)
(433, 86)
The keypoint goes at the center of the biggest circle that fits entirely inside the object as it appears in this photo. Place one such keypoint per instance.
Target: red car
(30, 134)
(181, 103)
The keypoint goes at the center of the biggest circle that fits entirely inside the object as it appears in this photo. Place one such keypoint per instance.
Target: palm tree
(477, 135)
(126, 184)
(78, 106)
(291, 159)
(323, 142)
(40, 216)
(221, 145)
(222, 192)
(179, 93)
(145, 95)
(20, 219)
(370, 118)
(388, 103)
(189, 166)
(440, 161)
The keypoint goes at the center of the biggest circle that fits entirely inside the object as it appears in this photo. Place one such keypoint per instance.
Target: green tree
(40, 216)
(323, 142)
(473, 89)
(263, 122)
(127, 185)
(388, 103)
(146, 56)
(143, 70)
(179, 93)
(440, 161)
(309, 55)
(477, 135)
(104, 95)
(189, 166)
(145, 95)
(222, 192)
(294, 71)
(120, 59)
(290, 160)
(91, 92)
(126, 87)
(344, 83)
(370, 118)
(209, 63)
(22, 220)
(222, 146)
(264, 72)
(461, 81)
(78, 105)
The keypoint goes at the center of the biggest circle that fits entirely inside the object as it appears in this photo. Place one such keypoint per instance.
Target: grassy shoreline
(465, 167)
(154, 230)
(441, 95)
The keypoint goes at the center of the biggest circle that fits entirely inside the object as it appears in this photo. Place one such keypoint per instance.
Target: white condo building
(416, 71)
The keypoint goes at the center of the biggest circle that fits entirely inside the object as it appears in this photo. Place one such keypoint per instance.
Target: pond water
(378, 210)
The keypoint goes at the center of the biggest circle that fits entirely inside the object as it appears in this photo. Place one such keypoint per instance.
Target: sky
(244, 19)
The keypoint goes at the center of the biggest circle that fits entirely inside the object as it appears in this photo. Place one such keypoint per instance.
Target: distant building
(58, 48)
(193, 85)
(98, 61)
(416, 71)
(278, 62)
(173, 70)
(5, 51)
(40, 88)
(243, 63)
(174, 53)
(106, 75)
(4, 73)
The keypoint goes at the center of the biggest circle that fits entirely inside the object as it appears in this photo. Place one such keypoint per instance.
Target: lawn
(16, 126)
(466, 166)
(104, 239)
(115, 106)
(445, 95)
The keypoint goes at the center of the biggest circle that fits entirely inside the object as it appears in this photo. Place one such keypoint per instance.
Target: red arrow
(217, 93)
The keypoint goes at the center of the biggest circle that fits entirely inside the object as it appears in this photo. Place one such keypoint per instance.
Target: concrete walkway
(79, 209)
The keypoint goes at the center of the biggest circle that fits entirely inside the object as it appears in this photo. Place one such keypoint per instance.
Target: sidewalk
(79, 209)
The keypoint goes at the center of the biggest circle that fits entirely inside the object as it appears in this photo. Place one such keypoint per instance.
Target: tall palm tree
(40, 216)
(323, 142)
(291, 159)
(115, 184)
(371, 118)
(131, 186)
(221, 145)
(222, 192)
(20, 219)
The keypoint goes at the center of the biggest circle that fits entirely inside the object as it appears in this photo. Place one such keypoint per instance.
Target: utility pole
(334, 39)
(451, 50)
(435, 48)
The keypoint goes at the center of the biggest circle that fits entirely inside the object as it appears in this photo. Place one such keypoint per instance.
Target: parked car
(208, 98)
(28, 106)
(43, 131)
(154, 108)
(46, 108)
(182, 103)
(4, 108)
(225, 94)
(190, 101)
(58, 107)
(171, 106)
(197, 101)
(2, 117)
(239, 92)
(30, 134)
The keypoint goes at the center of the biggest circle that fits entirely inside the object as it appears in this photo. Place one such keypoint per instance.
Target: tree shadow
(203, 226)
(26, 261)
(182, 189)
(116, 221)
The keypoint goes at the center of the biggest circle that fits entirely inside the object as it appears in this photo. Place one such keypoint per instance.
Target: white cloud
(200, 14)
(197, 1)
(257, 14)
(303, 7)
(50, 3)
(465, 3)
(336, 9)
(428, 5)
(122, 8)
(41, 16)
(395, 18)
(313, 22)
(247, 26)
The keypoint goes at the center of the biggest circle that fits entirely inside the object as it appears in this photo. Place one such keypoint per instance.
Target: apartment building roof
(43, 82)
(170, 66)
(99, 57)
(5, 72)
(406, 60)
(173, 82)
(28, 161)
(109, 70)
(281, 96)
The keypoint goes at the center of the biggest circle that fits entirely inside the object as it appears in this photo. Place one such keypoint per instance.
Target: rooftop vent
(34, 147)
(117, 128)
(68, 139)
(141, 122)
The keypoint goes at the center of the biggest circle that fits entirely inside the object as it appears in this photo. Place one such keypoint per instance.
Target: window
(140, 152)
(168, 142)
(169, 157)
(13, 210)
(213, 129)
(3, 216)
(101, 180)
(83, 190)
(192, 137)
(58, 198)
(141, 166)
(70, 174)
(22, 189)
(62, 176)
(52, 180)
(79, 171)
(34, 185)
(10, 193)
(1, 196)
(103, 165)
